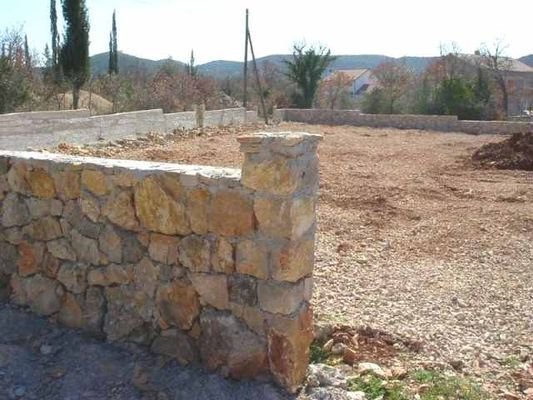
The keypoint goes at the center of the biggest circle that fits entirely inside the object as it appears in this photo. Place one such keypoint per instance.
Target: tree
(192, 69)
(305, 71)
(15, 80)
(75, 49)
(498, 65)
(27, 57)
(56, 46)
(333, 91)
(393, 80)
(113, 47)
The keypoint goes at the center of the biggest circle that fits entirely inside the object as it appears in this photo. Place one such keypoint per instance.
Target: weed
(317, 354)
(442, 387)
(375, 388)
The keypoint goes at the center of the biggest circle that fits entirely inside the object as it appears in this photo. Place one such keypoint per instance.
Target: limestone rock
(163, 249)
(146, 276)
(85, 248)
(242, 290)
(285, 218)
(280, 298)
(16, 178)
(252, 258)
(223, 258)
(158, 210)
(365, 368)
(94, 181)
(178, 304)
(45, 229)
(213, 289)
(124, 312)
(120, 211)
(227, 343)
(90, 207)
(8, 258)
(30, 258)
(294, 261)
(41, 184)
(68, 185)
(197, 210)
(111, 244)
(177, 345)
(73, 276)
(14, 211)
(44, 295)
(288, 347)
(275, 175)
(132, 250)
(60, 248)
(44, 207)
(111, 275)
(232, 213)
(194, 253)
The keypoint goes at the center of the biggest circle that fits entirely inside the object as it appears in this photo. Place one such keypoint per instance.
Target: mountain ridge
(225, 68)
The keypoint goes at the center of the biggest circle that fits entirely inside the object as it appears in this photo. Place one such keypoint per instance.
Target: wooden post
(245, 96)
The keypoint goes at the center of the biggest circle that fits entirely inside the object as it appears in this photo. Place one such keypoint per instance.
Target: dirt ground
(413, 239)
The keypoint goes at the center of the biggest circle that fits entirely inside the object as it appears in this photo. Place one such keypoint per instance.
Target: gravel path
(412, 238)
(41, 361)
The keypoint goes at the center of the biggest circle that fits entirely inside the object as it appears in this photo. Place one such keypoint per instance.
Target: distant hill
(128, 63)
(222, 68)
(527, 60)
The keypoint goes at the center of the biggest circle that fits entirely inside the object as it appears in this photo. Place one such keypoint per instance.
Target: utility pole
(258, 81)
(245, 97)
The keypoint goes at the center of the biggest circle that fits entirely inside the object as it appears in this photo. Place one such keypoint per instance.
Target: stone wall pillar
(282, 171)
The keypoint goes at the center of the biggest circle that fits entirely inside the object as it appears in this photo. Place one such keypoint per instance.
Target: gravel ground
(41, 361)
(413, 239)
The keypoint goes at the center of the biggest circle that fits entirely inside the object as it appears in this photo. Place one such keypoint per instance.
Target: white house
(362, 80)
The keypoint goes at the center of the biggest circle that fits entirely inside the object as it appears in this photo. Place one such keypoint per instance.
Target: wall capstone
(210, 265)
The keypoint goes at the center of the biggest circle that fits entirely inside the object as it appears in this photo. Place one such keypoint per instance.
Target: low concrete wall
(203, 264)
(37, 130)
(444, 123)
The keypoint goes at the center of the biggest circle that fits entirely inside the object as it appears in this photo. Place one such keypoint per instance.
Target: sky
(158, 29)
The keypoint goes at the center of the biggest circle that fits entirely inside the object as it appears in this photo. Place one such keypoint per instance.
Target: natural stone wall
(444, 123)
(37, 130)
(203, 264)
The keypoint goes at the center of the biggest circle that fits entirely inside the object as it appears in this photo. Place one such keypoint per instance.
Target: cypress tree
(27, 58)
(113, 48)
(56, 67)
(115, 43)
(75, 49)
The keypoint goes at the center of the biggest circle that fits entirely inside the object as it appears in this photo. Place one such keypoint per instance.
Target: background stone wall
(444, 123)
(38, 130)
(203, 264)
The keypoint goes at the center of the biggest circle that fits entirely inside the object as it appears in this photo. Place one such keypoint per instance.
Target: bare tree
(498, 65)
(333, 88)
(393, 80)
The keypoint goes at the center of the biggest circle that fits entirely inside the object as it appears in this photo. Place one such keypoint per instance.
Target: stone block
(213, 289)
(223, 257)
(61, 248)
(288, 347)
(113, 274)
(111, 244)
(227, 344)
(73, 276)
(44, 295)
(158, 210)
(280, 297)
(197, 210)
(163, 249)
(85, 248)
(294, 260)
(30, 258)
(41, 184)
(176, 345)
(242, 289)
(252, 258)
(68, 184)
(14, 211)
(94, 181)
(194, 253)
(119, 210)
(178, 305)
(231, 214)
